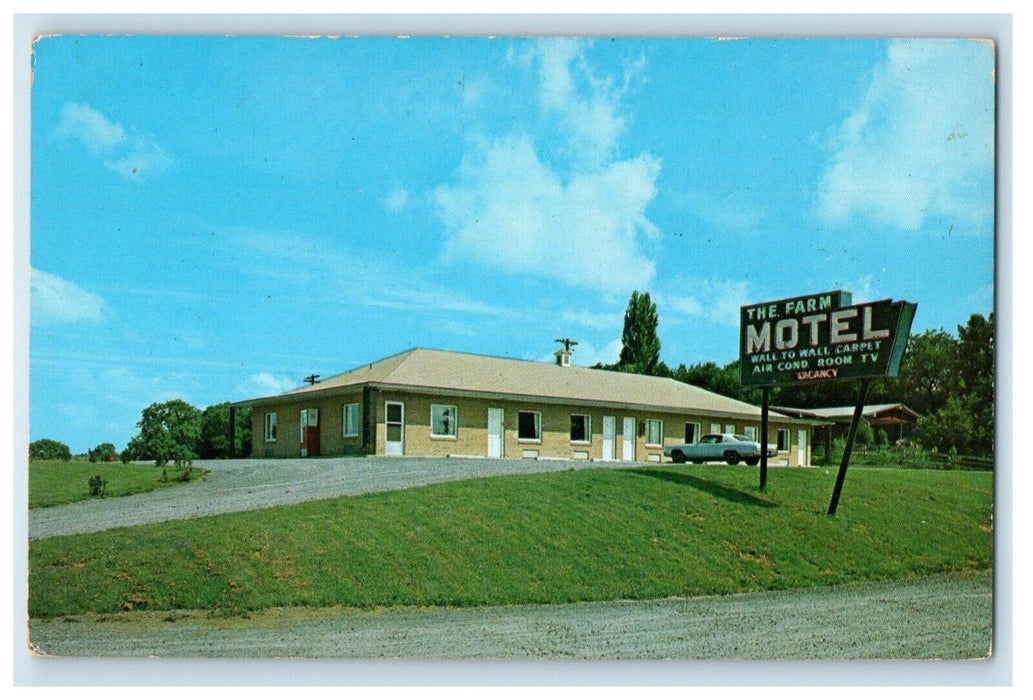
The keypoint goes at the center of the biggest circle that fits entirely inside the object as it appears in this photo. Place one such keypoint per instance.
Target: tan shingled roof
(462, 373)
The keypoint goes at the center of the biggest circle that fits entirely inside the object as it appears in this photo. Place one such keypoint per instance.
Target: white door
(628, 437)
(495, 442)
(394, 428)
(609, 438)
(801, 448)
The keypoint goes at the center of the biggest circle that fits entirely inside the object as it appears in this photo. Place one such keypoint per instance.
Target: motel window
(270, 427)
(654, 432)
(580, 428)
(715, 427)
(443, 420)
(529, 425)
(751, 432)
(351, 419)
(730, 428)
(691, 432)
(783, 440)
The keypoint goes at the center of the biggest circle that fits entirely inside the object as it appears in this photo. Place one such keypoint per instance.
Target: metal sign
(821, 337)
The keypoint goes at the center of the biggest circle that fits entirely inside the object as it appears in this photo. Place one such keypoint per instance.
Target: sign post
(765, 392)
(848, 449)
(820, 337)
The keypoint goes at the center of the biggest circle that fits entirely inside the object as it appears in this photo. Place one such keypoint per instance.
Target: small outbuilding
(435, 403)
(895, 418)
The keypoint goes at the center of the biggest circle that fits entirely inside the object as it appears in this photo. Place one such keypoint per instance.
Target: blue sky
(214, 218)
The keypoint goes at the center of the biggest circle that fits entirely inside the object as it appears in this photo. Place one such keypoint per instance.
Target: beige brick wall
(472, 433)
(288, 428)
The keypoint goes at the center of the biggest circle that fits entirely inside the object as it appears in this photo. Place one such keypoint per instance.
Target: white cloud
(266, 384)
(717, 301)
(513, 212)
(586, 355)
(397, 200)
(590, 118)
(128, 154)
(920, 144)
(95, 132)
(511, 209)
(55, 300)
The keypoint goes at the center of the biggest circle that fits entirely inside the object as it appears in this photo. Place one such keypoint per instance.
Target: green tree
(710, 376)
(101, 452)
(169, 431)
(49, 449)
(954, 426)
(976, 372)
(976, 356)
(640, 351)
(964, 421)
(928, 373)
(215, 432)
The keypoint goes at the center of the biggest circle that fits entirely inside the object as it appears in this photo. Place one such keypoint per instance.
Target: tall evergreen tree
(640, 353)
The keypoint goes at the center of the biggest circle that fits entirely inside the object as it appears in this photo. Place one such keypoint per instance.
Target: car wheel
(732, 457)
(753, 461)
(678, 456)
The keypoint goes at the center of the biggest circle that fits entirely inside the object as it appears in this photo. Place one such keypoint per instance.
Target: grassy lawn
(52, 483)
(546, 538)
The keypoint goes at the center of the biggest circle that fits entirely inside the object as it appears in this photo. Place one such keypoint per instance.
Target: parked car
(719, 447)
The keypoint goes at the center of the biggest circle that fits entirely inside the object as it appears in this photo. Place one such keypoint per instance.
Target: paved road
(247, 484)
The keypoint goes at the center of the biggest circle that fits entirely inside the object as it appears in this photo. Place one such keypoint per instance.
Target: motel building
(432, 403)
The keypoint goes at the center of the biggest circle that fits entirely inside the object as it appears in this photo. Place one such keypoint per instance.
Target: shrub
(182, 456)
(838, 447)
(97, 485)
(864, 433)
(881, 438)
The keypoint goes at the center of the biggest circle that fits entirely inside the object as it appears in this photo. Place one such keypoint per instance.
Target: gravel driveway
(247, 484)
(936, 617)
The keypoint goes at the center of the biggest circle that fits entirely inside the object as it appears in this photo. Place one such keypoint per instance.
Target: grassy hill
(545, 538)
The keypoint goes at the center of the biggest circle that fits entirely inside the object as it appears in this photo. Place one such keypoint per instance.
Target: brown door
(310, 432)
